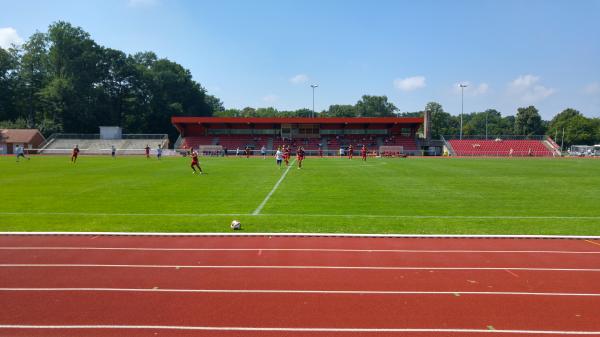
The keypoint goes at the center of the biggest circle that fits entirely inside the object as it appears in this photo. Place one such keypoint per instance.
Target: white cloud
(527, 89)
(472, 89)
(299, 79)
(592, 88)
(410, 83)
(142, 3)
(270, 98)
(8, 37)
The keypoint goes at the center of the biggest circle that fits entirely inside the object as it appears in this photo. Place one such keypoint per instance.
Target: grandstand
(94, 144)
(327, 134)
(503, 146)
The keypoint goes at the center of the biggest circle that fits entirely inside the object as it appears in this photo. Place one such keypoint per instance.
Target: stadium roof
(297, 120)
(18, 135)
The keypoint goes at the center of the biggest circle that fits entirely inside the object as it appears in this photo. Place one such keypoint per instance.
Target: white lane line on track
(288, 291)
(298, 329)
(83, 265)
(327, 250)
(515, 217)
(264, 202)
(308, 234)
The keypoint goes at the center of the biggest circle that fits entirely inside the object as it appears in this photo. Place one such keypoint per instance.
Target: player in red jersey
(350, 151)
(300, 156)
(363, 153)
(74, 154)
(195, 162)
(248, 151)
(286, 155)
(147, 148)
(320, 152)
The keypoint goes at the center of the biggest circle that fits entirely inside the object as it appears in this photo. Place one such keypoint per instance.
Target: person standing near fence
(159, 152)
(74, 154)
(147, 149)
(263, 152)
(113, 151)
(20, 152)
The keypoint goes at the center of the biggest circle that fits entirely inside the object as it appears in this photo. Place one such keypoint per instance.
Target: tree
(227, 113)
(528, 122)
(442, 123)
(248, 112)
(375, 106)
(579, 130)
(33, 75)
(214, 103)
(343, 110)
(8, 64)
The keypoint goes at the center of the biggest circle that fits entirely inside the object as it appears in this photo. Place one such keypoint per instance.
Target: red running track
(169, 286)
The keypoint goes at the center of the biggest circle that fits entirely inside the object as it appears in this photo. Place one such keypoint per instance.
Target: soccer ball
(236, 225)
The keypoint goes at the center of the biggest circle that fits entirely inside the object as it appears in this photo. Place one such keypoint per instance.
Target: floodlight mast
(313, 86)
(462, 106)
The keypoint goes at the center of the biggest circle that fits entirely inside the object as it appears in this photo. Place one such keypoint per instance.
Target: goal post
(391, 151)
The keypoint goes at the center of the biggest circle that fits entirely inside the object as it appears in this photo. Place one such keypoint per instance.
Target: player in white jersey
(279, 156)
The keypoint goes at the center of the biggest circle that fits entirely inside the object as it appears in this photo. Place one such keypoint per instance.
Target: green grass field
(414, 195)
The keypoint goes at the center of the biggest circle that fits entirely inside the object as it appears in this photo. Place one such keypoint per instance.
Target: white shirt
(279, 155)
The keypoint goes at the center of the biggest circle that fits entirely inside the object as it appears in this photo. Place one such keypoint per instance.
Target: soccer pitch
(331, 195)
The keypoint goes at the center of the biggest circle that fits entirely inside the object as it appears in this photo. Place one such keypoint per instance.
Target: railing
(449, 147)
(493, 137)
(97, 136)
(506, 154)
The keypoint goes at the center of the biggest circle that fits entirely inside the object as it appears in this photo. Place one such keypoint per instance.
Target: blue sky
(267, 53)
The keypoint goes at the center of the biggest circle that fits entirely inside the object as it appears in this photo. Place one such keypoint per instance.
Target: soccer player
(247, 151)
(147, 148)
(113, 151)
(350, 151)
(300, 156)
(74, 154)
(195, 162)
(363, 153)
(20, 152)
(286, 155)
(320, 152)
(159, 152)
(279, 156)
(263, 152)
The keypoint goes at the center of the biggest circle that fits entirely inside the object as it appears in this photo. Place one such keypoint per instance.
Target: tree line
(578, 129)
(63, 81)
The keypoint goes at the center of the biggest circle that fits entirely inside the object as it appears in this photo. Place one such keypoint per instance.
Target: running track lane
(301, 310)
(475, 309)
(298, 279)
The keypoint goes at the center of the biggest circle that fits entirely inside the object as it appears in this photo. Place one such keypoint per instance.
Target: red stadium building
(327, 134)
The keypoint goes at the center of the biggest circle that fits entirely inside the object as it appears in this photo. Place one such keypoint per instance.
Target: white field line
(264, 202)
(384, 216)
(320, 250)
(89, 265)
(288, 291)
(299, 329)
(307, 234)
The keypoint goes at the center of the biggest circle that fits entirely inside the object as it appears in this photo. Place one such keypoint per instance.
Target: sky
(258, 53)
